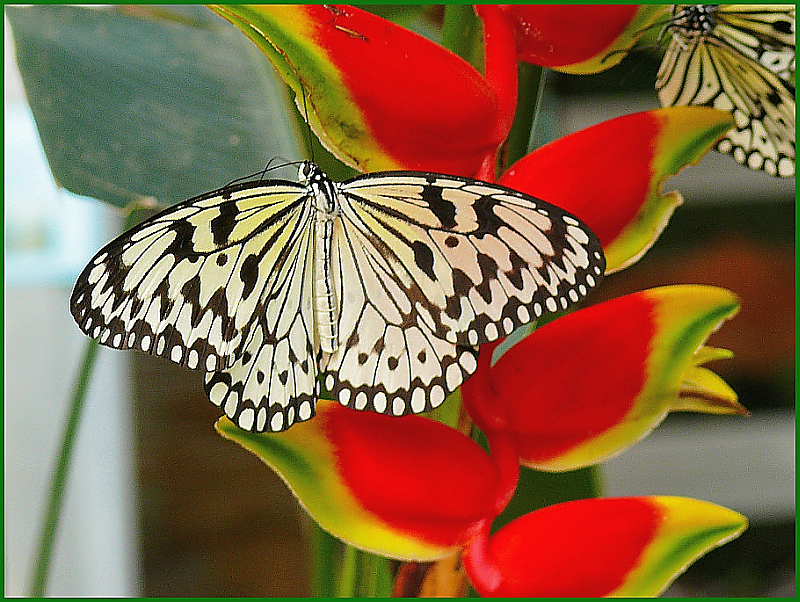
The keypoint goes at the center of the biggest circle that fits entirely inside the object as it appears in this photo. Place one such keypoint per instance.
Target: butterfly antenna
(261, 175)
(308, 122)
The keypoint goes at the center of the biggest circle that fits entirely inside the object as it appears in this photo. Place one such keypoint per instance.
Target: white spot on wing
(379, 401)
(418, 400)
(247, 418)
(437, 396)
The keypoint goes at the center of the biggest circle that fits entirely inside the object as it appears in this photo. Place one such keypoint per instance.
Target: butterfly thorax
(324, 195)
(694, 21)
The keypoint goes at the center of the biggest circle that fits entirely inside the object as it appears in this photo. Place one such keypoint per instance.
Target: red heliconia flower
(611, 174)
(415, 489)
(601, 547)
(575, 391)
(590, 384)
(379, 96)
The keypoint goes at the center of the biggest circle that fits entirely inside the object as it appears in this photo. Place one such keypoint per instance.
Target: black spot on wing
(191, 292)
(489, 271)
(514, 275)
(488, 222)
(444, 210)
(136, 306)
(783, 26)
(223, 224)
(191, 289)
(162, 291)
(248, 274)
(462, 284)
(182, 245)
(423, 257)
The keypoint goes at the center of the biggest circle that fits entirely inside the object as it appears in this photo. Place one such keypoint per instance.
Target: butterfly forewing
(181, 284)
(419, 269)
(744, 64)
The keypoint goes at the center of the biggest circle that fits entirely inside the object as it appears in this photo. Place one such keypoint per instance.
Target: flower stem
(347, 575)
(45, 553)
(325, 552)
(530, 91)
(461, 33)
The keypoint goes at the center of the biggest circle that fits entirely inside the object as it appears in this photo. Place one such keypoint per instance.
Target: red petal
(414, 473)
(598, 547)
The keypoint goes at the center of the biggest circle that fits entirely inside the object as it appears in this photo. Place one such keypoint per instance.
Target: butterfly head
(321, 188)
(309, 173)
(696, 19)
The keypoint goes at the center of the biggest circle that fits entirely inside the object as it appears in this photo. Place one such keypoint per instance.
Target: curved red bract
(601, 174)
(558, 35)
(584, 548)
(416, 474)
(575, 377)
(430, 108)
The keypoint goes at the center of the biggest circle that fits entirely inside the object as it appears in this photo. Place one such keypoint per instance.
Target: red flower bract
(557, 405)
(605, 208)
(557, 35)
(570, 564)
(398, 467)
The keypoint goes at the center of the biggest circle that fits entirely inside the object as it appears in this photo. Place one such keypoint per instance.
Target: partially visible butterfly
(381, 285)
(738, 58)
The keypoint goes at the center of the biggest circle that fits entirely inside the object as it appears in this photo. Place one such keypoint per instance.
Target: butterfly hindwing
(273, 382)
(390, 360)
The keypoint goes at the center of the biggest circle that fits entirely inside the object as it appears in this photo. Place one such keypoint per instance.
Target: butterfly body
(693, 21)
(737, 58)
(325, 197)
(378, 288)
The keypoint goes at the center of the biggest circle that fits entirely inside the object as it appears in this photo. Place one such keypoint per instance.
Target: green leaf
(134, 102)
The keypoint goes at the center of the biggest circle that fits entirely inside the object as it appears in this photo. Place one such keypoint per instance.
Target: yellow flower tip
(691, 401)
(688, 529)
(642, 233)
(687, 134)
(709, 354)
(704, 391)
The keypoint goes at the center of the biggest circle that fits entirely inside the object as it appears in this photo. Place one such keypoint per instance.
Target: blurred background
(159, 505)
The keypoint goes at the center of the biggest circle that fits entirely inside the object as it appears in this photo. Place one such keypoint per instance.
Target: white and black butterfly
(381, 285)
(738, 58)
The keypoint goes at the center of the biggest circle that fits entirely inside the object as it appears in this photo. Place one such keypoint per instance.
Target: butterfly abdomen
(324, 196)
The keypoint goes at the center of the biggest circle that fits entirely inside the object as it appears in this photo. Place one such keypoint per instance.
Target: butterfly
(378, 288)
(738, 58)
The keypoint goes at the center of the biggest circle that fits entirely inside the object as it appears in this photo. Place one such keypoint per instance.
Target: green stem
(325, 553)
(58, 484)
(461, 33)
(529, 97)
(45, 554)
(375, 579)
(347, 575)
